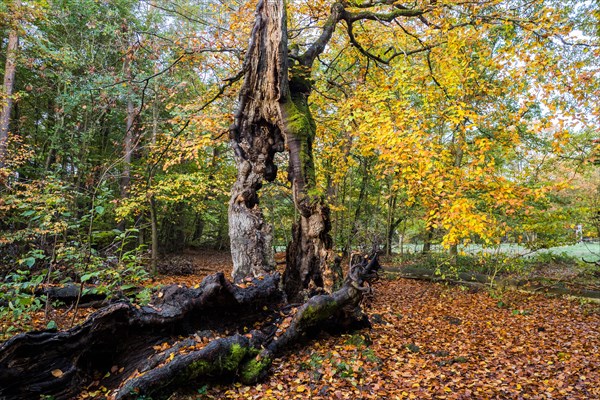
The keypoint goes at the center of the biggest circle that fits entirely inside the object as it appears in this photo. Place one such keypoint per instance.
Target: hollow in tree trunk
(274, 110)
(256, 137)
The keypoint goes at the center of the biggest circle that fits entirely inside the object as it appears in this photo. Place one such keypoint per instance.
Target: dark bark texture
(124, 334)
(255, 138)
(187, 336)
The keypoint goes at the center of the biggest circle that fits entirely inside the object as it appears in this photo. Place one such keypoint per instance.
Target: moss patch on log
(254, 370)
(317, 312)
(230, 362)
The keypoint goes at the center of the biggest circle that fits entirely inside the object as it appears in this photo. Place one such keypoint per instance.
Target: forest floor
(431, 340)
(428, 340)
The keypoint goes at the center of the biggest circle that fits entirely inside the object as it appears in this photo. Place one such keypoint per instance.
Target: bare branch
(433, 76)
(369, 3)
(362, 49)
(395, 54)
(385, 17)
(337, 13)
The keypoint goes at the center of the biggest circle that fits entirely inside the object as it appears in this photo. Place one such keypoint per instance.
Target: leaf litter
(430, 341)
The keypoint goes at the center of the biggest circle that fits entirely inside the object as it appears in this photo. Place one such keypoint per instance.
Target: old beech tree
(274, 113)
(217, 329)
(273, 116)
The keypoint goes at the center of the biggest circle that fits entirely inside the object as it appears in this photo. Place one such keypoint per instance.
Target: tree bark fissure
(256, 138)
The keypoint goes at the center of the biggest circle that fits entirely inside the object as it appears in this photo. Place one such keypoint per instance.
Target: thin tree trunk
(154, 235)
(50, 127)
(389, 222)
(130, 126)
(401, 244)
(8, 86)
(155, 111)
(359, 204)
(453, 253)
(220, 240)
(390, 235)
(128, 146)
(198, 228)
(341, 216)
(428, 239)
(458, 141)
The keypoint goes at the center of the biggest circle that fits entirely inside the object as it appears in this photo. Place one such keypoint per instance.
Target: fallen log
(431, 275)
(185, 336)
(68, 295)
(478, 280)
(60, 364)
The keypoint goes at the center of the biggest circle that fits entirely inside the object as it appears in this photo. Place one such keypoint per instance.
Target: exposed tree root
(130, 351)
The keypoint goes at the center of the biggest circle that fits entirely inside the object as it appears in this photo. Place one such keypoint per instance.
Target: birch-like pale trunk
(8, 87)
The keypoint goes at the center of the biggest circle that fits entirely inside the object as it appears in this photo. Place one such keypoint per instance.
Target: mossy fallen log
(186, 336)
(60, 364)
(248, 357)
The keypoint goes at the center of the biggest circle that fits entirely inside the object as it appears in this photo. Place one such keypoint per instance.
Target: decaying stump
(130, 350)
(273, 115)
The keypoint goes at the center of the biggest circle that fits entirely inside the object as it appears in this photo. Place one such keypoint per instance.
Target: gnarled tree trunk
(310, 259)
(255, 138)
(274, 109)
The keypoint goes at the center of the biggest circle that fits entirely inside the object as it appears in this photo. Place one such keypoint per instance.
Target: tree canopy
(438, 122)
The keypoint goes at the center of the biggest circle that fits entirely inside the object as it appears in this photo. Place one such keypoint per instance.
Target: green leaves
(33, 256)
(88, 276)
(29, 261)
